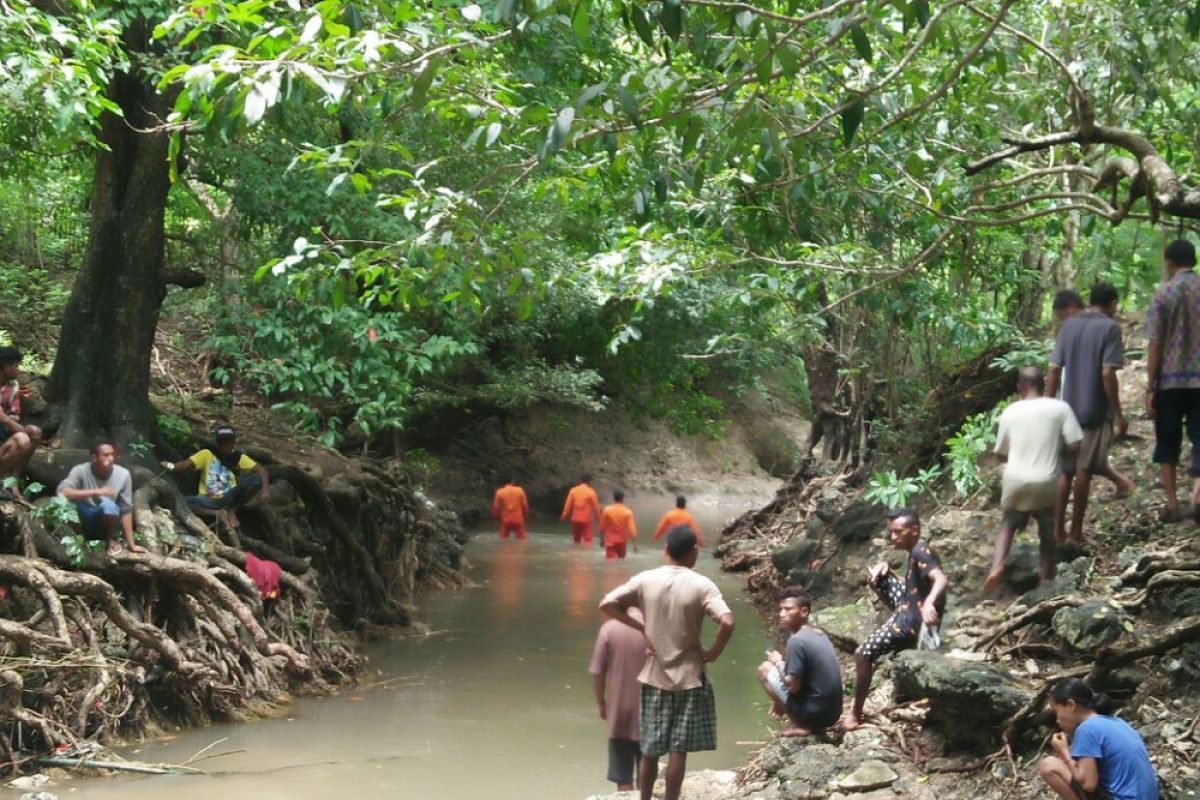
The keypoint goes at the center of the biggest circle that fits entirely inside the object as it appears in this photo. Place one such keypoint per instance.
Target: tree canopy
(404, 207)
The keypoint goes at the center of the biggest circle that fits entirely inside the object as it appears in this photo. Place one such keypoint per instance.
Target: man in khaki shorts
(1088, 352)
(1034, 434)
(678, 710)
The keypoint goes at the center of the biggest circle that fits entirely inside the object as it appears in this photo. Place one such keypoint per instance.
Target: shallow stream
(495, 703)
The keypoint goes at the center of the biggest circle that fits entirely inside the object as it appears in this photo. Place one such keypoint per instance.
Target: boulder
(815, 582)
(794, 554)
(847, 626)
(1064, 583)
(871, 774)
(858, 522)
(1089, 626)
(817, 770)
(1182, 603)
(1021, 569)
(968, 701)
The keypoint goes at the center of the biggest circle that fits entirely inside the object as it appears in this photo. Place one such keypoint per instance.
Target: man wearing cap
(228, 477)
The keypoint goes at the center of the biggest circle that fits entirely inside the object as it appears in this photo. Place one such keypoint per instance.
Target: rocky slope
(1124, 612)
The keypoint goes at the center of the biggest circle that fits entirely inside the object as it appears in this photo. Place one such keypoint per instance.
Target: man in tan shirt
(678, 711)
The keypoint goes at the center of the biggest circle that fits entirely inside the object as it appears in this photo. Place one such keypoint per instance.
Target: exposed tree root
(108, 645)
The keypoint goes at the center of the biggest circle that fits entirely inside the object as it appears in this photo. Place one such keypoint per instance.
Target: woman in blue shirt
(1106, 758)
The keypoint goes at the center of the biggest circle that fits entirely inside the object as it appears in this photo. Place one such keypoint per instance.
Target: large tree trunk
(101, 375)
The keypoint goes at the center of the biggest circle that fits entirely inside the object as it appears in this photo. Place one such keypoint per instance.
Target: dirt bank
(548, 448)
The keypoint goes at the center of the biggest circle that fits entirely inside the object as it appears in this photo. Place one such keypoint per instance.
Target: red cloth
(516, 526)
(265, 575)
(614, 551)
(582, 531)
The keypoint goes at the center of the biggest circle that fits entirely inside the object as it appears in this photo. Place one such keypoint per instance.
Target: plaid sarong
(683, 721)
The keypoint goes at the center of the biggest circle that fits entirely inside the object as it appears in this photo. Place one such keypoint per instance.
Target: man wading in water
(678, 711)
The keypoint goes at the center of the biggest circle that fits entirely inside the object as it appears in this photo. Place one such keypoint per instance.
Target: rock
(870, 775)
(815, 582)
(1021, 569)
(1181, 603)
(1089, 626)
(847, 626)
(1064, 583)
(1130, 556)
(858, 522)
(38, 796)
(831, 501)
(968, 701)
(35, 781)
(961, 525)
(795, 553)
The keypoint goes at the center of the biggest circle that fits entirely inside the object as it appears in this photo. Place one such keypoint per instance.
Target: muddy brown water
(495, 703)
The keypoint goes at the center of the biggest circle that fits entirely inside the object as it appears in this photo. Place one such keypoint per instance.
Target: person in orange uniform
(510, 506)
(581, 507)
(617, 527)
(678, 516)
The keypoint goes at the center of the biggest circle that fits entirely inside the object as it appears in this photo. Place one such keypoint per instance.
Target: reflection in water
(495, 705)
(507, 579)
(579, 578)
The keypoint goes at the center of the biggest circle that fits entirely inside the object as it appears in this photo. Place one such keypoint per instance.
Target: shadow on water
(496, 703)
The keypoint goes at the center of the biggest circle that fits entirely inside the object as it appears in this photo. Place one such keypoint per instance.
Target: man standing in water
(510, 506)
(617, 527)
(1033, 434)
(581, 508)
(678, 516)
(618, 657)
(678, 710)
(916, 600)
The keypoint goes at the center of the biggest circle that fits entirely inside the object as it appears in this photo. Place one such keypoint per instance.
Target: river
(495, 703)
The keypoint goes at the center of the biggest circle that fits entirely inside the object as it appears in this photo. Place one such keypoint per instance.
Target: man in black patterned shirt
(917, 599)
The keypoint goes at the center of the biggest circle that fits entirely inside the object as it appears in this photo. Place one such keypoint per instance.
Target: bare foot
(993, 581)
(797, 731)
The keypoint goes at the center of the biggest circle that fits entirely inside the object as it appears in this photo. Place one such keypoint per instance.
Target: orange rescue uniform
(674, 518)
(617, 527)
(581, 506)
(510, 506)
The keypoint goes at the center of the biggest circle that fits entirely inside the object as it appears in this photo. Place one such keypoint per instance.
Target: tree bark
(101, 374)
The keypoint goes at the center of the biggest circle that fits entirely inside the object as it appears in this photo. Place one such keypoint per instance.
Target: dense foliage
(405, 206)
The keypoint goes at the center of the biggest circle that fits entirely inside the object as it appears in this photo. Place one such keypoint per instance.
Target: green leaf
(671, 18)
(852, 117)
(862, 45)
(629, 104)
(920, 9)
(580, 22)
(691, 135)
(422, 83)
(641, 25)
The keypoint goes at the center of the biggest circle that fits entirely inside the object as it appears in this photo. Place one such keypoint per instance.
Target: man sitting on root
(222, 489)
(805, 685)
(916, 600)
(17, 441)
(103, 493)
